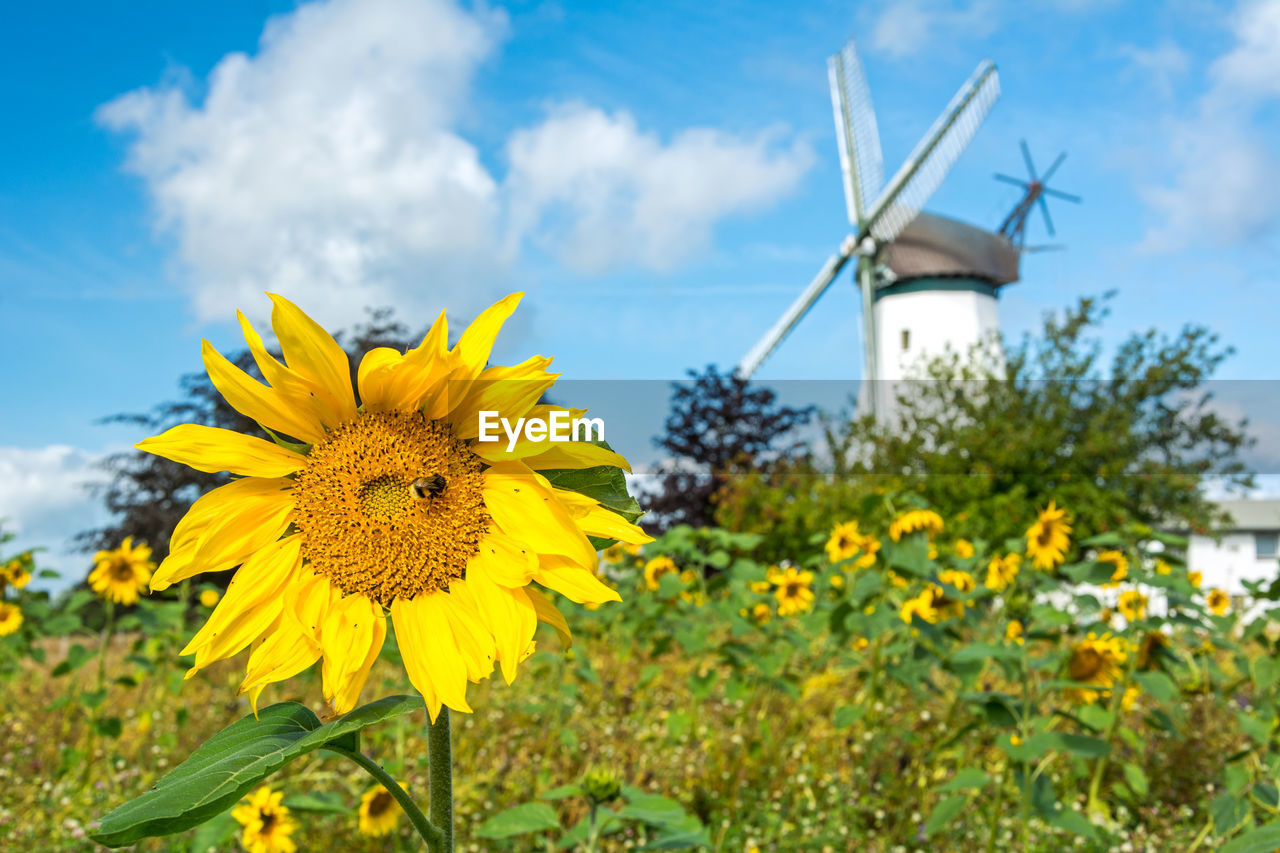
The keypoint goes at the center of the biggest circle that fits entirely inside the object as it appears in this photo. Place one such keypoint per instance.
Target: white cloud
(1252, 67)
(43, 500)
(325, 162)
(329, 165)
(909, 28)
(1223, 165)
(599, 192)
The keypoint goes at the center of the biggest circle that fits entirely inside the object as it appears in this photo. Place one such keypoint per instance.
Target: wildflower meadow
(431, 642)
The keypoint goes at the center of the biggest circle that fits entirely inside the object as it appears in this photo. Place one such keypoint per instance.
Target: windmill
(896, 245)
(1034, 192)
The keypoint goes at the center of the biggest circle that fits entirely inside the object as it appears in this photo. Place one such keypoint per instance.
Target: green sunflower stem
(433, 837)
(440, 755)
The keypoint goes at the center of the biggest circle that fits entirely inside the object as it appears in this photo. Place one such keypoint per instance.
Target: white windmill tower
(927, 282)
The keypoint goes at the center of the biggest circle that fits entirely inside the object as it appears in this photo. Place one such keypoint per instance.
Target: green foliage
(987, 441)
(228, 766)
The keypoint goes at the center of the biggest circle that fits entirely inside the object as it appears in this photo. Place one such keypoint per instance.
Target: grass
(762, 769)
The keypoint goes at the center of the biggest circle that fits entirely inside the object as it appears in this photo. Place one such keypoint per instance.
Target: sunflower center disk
(365, 518)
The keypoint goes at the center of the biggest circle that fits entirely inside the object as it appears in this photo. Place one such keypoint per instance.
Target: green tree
(987, 438)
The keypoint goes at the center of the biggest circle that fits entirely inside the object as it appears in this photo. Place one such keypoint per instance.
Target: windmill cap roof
(937, 246)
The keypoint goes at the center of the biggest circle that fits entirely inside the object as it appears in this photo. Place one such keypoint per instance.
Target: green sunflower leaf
(606, 483)
(520, 820)
(230, 764)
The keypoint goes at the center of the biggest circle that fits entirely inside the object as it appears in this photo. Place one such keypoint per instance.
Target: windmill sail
(934, 156)
(767, 344)
(857, 136)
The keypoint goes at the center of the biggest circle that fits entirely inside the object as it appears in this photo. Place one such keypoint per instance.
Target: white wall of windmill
(921, 321)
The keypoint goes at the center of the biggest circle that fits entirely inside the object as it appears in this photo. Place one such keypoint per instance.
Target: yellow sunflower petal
(211, 449)
(254, 521)
(524, 508)
(306, 602)
(508, 613)
(545, 455)
(574, 582)
(315, 355)
(595, 520)
(250, 606)
(209, 513)
(504, 561)
(475, 640)
(377, 371)
(285, 382)
(283, 652)
(347, 638)
(474, 347)
(509, 391)
(258, 402)
(549, 614)
(420, 379)
(430, 651)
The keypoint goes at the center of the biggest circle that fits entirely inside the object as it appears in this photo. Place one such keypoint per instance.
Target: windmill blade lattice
(857, 135)
(936, 153)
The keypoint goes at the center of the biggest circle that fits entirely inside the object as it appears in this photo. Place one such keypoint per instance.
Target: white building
(1247, 550)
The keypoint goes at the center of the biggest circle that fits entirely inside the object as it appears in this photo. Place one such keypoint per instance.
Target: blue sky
(660, 177)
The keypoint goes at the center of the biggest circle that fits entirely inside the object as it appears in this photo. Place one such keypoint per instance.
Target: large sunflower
(1097, 661)
(390, 507)
(1048, 540)
(120, 575)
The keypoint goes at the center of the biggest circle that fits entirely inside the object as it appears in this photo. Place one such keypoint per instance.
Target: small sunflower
(15, 574)
(847, 542)
(656, 568)
(1002, 571)
(1095, 660)
(390, 507)
(843, 542)
(10, 618)
(120, 575)
(1121, 563)
(1132, 605)
(1218, 601)
(209, 597)
(1013, 632)
(922, 606)
(860, 644)
(1130, 697)
(266, 822)
(964, 549)
(794, 591)
(1048, 539)
(913, 520)
(1195, 578)
(379, 812)
(1163, 568)
(759, 613)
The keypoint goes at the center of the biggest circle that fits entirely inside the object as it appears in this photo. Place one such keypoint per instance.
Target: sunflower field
(434, 642)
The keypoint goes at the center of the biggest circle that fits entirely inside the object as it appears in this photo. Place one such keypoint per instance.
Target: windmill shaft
(766, 345)
(870, 368)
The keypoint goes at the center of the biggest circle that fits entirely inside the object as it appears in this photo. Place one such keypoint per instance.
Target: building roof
(937, 246)
(1256, 514)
